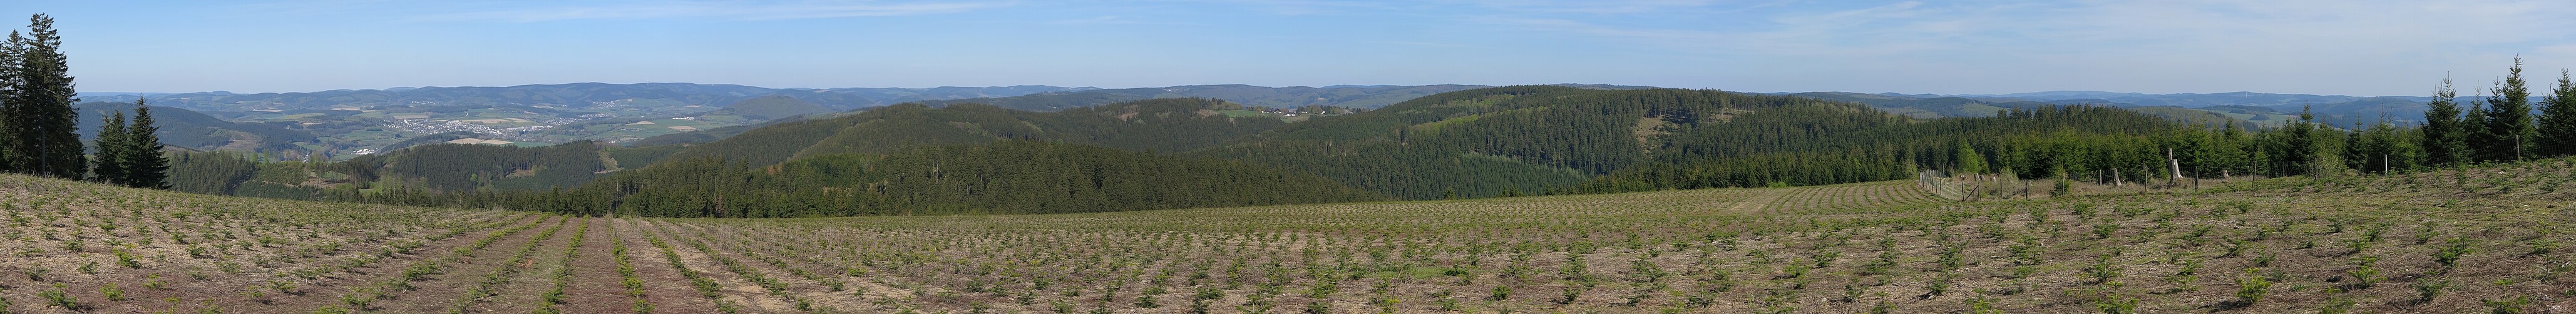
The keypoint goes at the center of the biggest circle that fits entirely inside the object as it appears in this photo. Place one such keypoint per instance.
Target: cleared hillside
(771, 107)
(2409, 243)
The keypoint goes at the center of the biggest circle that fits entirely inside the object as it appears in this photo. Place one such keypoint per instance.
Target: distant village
(1314, 110)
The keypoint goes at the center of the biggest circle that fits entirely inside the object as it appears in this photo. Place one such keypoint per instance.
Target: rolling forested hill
(1528, 139)
(194, 130)
(1504, 141)
(908, 159)
(1160, 125)
(434, 167)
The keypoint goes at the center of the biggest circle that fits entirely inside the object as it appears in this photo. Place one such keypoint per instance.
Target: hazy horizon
(2360, 48)
(2527, 73)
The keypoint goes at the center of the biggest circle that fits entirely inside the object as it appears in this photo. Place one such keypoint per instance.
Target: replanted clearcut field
(2473, 239)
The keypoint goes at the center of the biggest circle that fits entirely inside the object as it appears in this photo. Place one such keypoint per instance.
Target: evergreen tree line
(460, 167)
(1818, 145)
(1549, 139)
(1512, 140)
(2101, 144)
(1155, 125)
(436, 168)
(2500, 128)
(2505, 127)
(39, 128)
(214, 172)
(1004, 177)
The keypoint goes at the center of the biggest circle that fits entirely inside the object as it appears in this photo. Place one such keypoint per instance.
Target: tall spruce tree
(108, 164)
(8, 98)
(41, 120)
(2383, 147)
(2556, 134)
(2293, 148)
(2442, 129)
(2473, 132)
(145, 166)
(2508, 122)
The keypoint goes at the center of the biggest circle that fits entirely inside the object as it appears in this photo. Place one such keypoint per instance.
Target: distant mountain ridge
(573, 95)
(583, 95)
(1249, 95)
(1347, 96)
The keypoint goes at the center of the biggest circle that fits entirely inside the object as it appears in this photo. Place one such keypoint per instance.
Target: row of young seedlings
(363, 298)
(1148, 300)
(216, 220)
(754, 247)
(193, 231)
(1842, 198)
(969, 267)
(829, 267)
(2361, 273)
(548, 300)
(2112, 271)
(507, 270)
(154, 281)
(706, 287)
(805, 259)
(390, 249)
(137, 239)
(2102, 271)
(753, 242)
(626, 273)
(774, 286)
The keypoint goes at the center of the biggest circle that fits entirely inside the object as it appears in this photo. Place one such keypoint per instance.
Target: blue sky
(2351, 47)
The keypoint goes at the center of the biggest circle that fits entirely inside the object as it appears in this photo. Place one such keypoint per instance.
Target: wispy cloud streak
(735, 10)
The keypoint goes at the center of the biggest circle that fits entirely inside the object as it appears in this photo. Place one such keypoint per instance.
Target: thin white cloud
(738, 10)
(1430, 44)
(1616, 7)
(1102, 20)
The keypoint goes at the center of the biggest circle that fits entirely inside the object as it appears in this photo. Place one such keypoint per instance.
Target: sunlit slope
(2367, 244)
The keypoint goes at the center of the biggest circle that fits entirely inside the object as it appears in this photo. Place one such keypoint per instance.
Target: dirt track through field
(595, 285)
